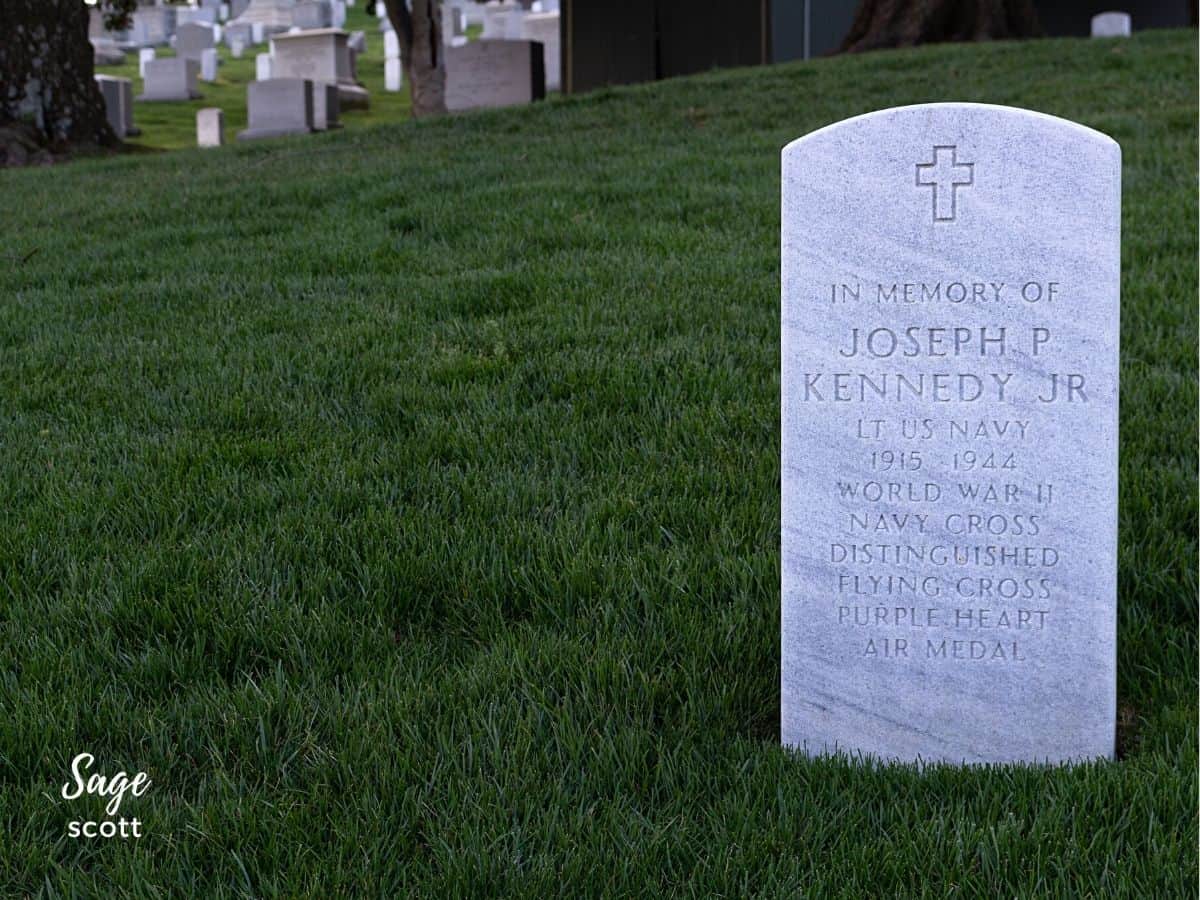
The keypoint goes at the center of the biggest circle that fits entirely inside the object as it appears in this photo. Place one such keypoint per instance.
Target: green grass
(172, 126)
(406, 502)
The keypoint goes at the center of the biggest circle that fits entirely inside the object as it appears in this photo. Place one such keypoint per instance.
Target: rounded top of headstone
(945, 114)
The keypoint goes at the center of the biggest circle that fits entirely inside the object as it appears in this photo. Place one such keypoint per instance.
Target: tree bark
(47, 93)
(879, 24)
(420, 33)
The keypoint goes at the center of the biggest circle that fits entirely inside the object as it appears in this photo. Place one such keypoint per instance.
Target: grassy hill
(406, 502)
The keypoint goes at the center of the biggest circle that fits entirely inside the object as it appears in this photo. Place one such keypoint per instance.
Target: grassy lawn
(406, 502)
(172, 126)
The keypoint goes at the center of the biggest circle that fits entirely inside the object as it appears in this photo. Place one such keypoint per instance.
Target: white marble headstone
(950, 332)
(210, 127)
(1112, 24)
(208, 64)
(145, 55)
(393, 75)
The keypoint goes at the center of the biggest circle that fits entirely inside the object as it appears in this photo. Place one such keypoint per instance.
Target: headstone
(950, 329)
(210, 127)
(151, 26)
(224, 12)
(277, 107)
(391, 45)
(258, 33)
(319, 55)
(192, 39)
(171, 79)
(208, 65)
(338, 14)
(503, 21)
(237, 49)
(1112, 24)
(544, 28)
(105, 49)
(393, 75)
(243, 32)
(312, 14)
(118, 103)
(494, 73)
(145, 55)
(357, 41)
(262, 67)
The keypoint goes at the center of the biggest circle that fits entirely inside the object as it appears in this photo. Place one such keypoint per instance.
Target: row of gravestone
(156, 26)
(296, 100)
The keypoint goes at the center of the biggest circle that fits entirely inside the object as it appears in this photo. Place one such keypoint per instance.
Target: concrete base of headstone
(210, 127)
(278, 107)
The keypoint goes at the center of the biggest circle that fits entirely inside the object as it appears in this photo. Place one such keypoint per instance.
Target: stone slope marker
(950, 344)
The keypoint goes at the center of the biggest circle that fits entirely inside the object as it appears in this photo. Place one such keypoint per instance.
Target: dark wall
(694, 37)
(606, 42)
(625, 41)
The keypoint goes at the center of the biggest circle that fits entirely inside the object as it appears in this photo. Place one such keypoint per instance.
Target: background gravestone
(277, 107)
(192, 39)
(173, 78)
(494, 73)
(1112, 24)
(950, 327)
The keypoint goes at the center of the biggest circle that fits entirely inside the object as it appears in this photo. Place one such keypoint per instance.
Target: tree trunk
(48, 97)
(420, 33)
(906, 23)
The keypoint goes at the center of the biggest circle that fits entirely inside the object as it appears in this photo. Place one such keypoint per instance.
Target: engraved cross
(945, 175)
